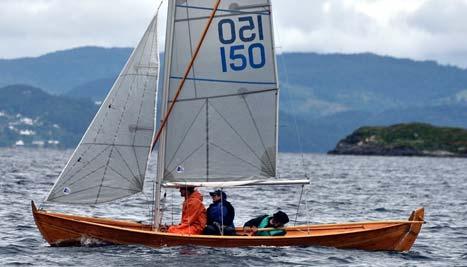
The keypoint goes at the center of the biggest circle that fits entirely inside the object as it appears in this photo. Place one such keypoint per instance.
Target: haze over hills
(330, 95)
(31, 117)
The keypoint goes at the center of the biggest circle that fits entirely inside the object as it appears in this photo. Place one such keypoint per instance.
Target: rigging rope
(298, 207)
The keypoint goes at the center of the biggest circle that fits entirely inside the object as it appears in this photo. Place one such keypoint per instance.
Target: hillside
(414, 139)
(59, 72)
(31, 117)
(328, 95)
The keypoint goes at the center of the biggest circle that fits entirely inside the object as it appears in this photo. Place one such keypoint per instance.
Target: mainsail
(111, 159)
(224, 124)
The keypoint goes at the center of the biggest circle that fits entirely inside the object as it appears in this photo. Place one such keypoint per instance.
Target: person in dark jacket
(276, 221)
(220, 215)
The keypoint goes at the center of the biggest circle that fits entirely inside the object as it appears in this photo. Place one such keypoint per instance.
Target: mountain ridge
(329, 95)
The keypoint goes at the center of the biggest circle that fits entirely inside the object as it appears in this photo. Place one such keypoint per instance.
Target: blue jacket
(221, 212)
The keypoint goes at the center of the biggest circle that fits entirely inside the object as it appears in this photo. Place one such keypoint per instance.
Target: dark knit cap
(280, 217)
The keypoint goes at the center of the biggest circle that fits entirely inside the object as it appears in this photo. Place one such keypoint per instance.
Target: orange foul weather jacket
(193, 216)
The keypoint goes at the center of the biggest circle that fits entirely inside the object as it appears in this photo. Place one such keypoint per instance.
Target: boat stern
(407, 241)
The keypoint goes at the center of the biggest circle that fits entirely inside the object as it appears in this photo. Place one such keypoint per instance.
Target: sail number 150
(239, 57)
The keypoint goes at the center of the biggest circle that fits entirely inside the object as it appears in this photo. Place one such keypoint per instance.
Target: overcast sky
(417, 29)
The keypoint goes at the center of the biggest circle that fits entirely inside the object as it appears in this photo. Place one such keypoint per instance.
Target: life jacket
(265, 224)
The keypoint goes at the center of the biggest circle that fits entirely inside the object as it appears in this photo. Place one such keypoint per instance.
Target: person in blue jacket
(220, 215)
(274, 222)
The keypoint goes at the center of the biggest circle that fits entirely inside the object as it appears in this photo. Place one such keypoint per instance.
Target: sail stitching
(89, 188)
(154, 41)
(70, 177)
(238, 134)
(187, 157)
(141, 176)
(137, 185)
(86, 176)
(222, 81)
(123, 112)
(235, 156)
(186, 134)
(139, 75)
(227, 10)
(223, 96)
(124, 73)
(81, 178)
(259, 135)
(114, 145)
(128, 165)
(73, 193)
(121, 188)
(191, 49)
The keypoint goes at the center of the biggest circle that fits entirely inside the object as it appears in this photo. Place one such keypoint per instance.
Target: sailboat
(219, 129)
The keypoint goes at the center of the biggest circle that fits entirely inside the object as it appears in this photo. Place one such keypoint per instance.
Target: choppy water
(344, 188)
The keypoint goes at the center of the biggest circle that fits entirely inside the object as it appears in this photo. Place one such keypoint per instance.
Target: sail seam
(238, 134)
(259, 135)
(121, 118)
(70, 177)
(183, 161)
(89, 188)
(222, 81)
(115, 145)
(139, 75)
(228, 10)
(223, 96)
(122, 176)
(186, 134)
(235, 156)
(191, 48)
(85, 176)
(126, 163)
(154, 41)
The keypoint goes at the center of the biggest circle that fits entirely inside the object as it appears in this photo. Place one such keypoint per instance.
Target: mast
(276, 73)
(174, 101)
(165, 96)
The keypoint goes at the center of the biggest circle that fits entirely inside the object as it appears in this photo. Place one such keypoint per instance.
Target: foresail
(111, 159)
(224, 124)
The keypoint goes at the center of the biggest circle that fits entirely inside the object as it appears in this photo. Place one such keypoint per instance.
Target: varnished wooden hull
(65, 230)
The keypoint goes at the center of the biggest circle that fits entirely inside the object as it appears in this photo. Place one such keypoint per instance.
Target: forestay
(224, 124)
(110, 161)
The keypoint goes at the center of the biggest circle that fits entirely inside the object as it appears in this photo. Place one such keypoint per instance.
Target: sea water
(343, 188)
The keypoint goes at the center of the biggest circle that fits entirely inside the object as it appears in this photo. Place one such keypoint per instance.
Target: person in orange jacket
(193, 213)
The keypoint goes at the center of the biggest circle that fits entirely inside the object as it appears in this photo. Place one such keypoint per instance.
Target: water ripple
(344, 188)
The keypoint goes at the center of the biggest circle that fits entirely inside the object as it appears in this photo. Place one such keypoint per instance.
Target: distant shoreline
(413, 140)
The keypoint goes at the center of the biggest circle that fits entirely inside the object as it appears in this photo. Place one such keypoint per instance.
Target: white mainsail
(224, 124)
(111, 159)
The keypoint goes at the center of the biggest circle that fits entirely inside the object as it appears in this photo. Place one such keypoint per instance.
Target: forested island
(412, 139)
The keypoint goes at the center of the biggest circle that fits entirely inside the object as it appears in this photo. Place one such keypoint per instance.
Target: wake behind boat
(219, 129)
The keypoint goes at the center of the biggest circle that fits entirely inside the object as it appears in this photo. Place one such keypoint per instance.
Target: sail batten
(111, 160)
(223, 126)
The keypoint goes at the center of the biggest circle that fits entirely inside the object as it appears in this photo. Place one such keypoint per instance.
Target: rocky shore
(414, 139)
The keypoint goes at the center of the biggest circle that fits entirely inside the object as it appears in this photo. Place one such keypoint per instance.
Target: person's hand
(251, 230)
(163, 228)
